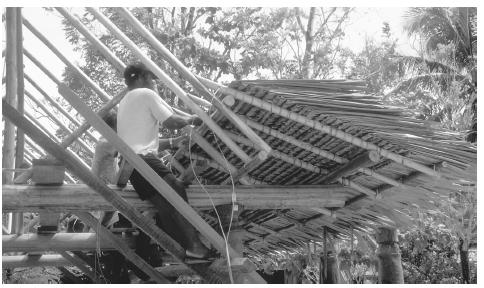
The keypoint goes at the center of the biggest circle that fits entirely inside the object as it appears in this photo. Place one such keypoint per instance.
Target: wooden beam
(279, 155)
(212, 152)
(118, 64)
(293, 141)
(8, 148)
(53, 137)
(51, 260)
(357, 187)
(19, 148)
(347, 137)
(99, 91)
(363, 160)
(121, 246)
(172, 85)
(72, 197)
(406, 178)
(380, 177)
(260, 157)
(57, 106)
(59, 123)
(32, 242)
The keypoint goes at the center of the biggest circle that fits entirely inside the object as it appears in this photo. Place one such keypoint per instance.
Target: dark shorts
(144, 188)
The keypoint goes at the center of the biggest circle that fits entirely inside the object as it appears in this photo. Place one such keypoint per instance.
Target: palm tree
(448, 65)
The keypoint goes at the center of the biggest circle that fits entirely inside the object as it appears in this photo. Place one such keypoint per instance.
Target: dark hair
(111, 120)
(134, 71)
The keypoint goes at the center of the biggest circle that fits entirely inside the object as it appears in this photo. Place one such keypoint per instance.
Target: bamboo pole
(57, 106)
(405, 161)
(101, 93)
(59, 123)
(85, 175)
(215, 165)
(357, 187)
(120, 245)
(52, 260)
(294, 141)
(212, 152)
(380, 177)
(154, 179)
(172, 85)
(362, 160)
(82, 198)
(53, 137)
(8, 151)
(188, 75)
(118, 64)
(279, 155)
(106, 52)
(41, 67)
(19, 151)
(57, 242)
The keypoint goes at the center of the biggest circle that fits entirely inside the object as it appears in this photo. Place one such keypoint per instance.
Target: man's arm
(170, 143)
(179, 121)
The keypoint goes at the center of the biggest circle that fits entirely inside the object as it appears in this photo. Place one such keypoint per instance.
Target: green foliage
(429, 253)
(356, 264)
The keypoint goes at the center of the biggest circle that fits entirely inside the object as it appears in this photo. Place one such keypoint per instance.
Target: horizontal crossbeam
(81, 197)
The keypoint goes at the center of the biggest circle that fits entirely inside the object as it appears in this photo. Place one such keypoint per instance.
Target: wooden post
(329, 272)
(390, 269)
(8, 155)
(19, 153)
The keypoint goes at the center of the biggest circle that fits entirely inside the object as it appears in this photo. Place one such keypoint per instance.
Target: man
(140, 114)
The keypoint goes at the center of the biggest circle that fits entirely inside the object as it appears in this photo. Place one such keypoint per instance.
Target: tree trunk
(464, 261)
(309, 39)
(390, 269)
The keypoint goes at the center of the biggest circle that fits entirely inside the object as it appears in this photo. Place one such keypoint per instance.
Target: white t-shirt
(140, 114)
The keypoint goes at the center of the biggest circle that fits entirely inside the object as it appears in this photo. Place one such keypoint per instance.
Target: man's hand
(180, 140)
(195, 120)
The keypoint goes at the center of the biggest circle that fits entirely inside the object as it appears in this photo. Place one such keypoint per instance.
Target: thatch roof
(340, 104)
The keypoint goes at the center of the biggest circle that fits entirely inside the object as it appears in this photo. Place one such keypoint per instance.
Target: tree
(443, 84)
(430, 249)
(446, 71)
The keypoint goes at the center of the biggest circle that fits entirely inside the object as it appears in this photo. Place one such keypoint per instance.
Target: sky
(365, 22)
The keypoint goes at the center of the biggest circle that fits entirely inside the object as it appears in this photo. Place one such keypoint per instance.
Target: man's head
(137, 75)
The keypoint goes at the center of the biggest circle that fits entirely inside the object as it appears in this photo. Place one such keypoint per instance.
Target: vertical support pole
(8, 160)
(390, 269)
(19, 152)
(18, 218)
(329, 272)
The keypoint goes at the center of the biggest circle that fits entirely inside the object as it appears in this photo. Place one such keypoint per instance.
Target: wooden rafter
(405, 161)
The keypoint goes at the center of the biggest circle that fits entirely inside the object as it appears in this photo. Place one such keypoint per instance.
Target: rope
(234, 197)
